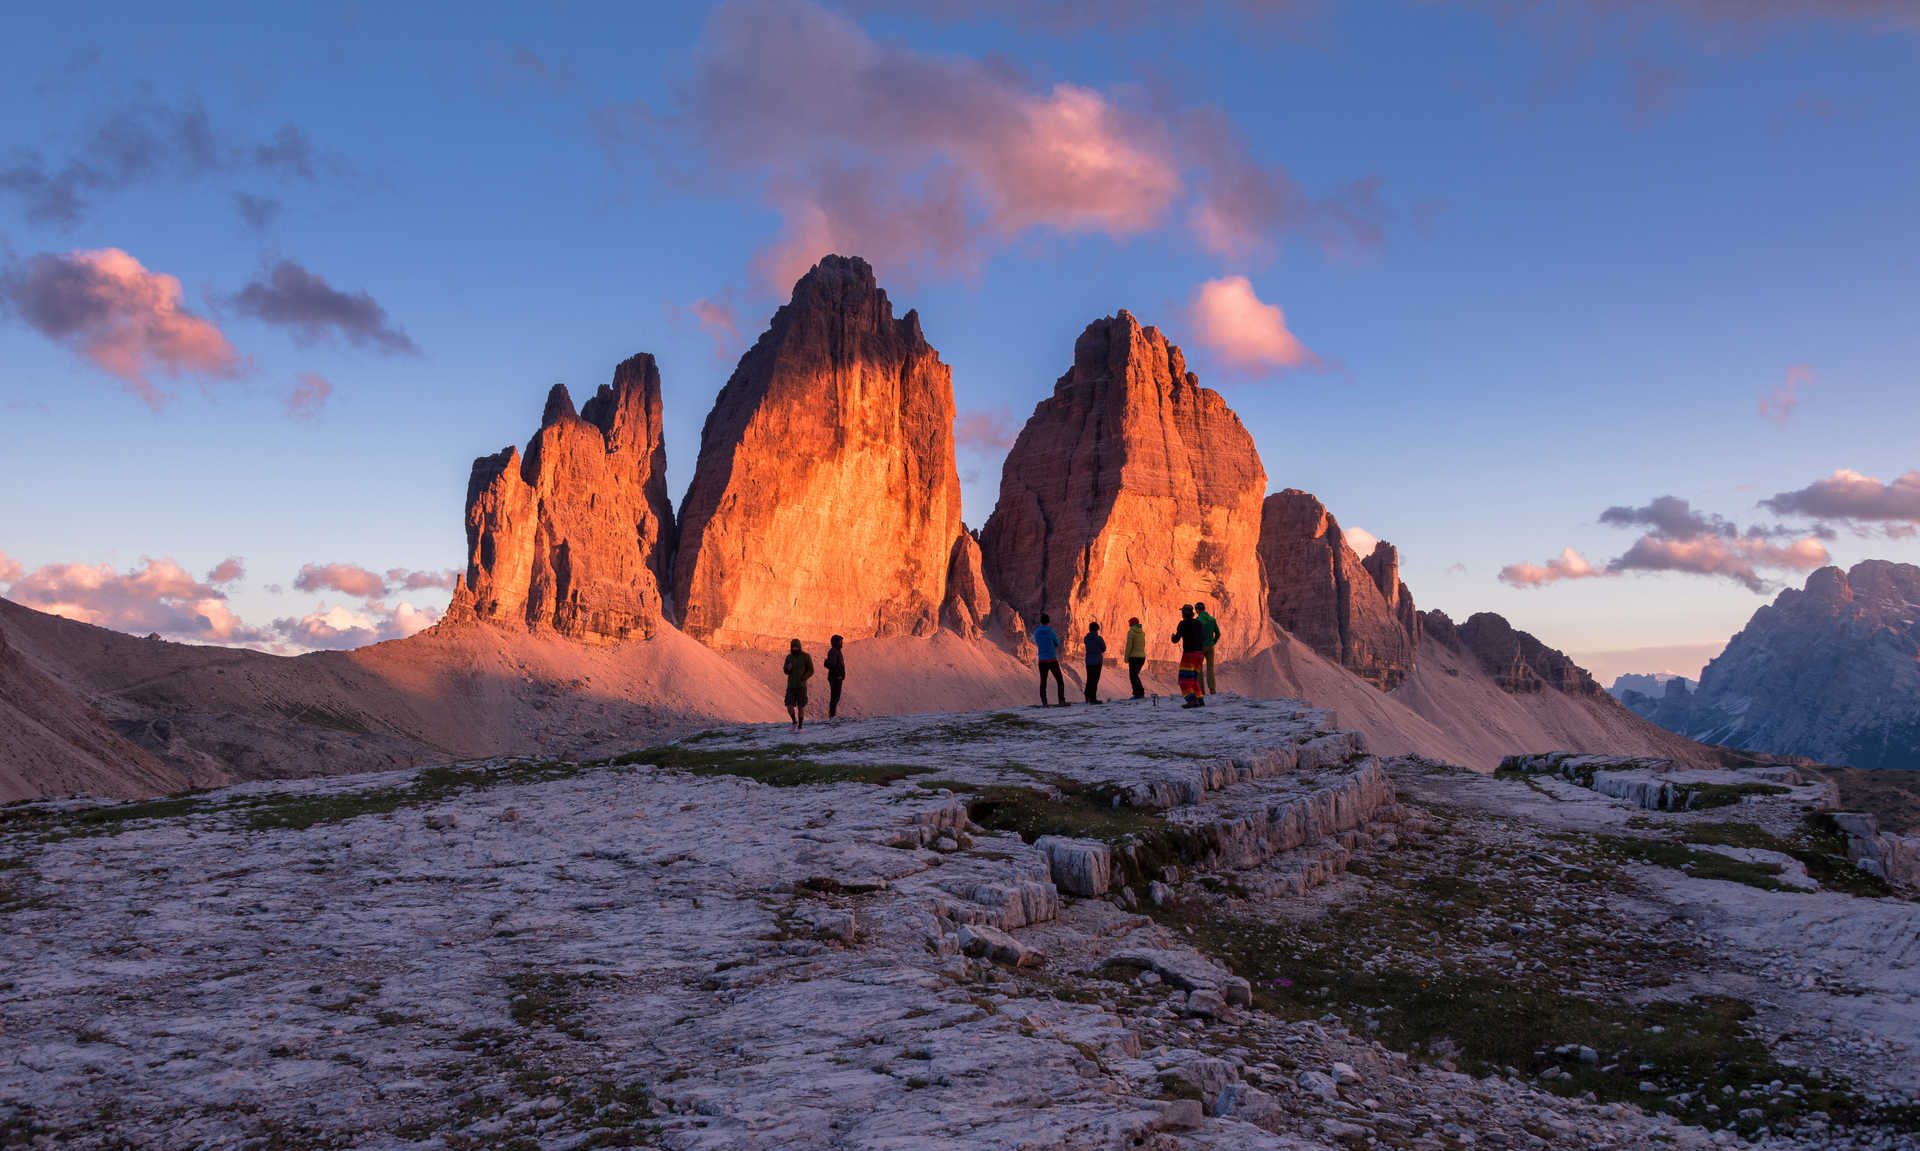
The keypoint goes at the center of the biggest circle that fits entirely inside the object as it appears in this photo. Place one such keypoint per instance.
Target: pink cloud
(1246, 334)
(1778, 404)
(1738, 558)
(159, 596)
(985, 431)
(717, 318)
(347, 579)
(339, 628)
(924, 162)
(1851, 496)
(1242, 205)
(310, 392)
(1569, 564)
(227, 570)
(10, 569)
(128, 321)
(415, 580)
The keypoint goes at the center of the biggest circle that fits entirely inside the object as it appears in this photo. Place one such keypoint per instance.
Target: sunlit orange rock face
(1130, 491)
(825, 499)
(1353, 611)
(576, 535)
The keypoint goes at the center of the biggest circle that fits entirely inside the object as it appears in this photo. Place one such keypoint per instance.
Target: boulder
(1353, 611)
(825, 499)
(574, 536)
(1079, 866)
(1130, 491)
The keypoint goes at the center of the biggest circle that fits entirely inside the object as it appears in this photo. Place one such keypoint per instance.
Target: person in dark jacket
(1136, 655)
(1211, 628)
(1192, 639)
(1096, 646)
(1046, 646)
(836, 675)
(799, 669)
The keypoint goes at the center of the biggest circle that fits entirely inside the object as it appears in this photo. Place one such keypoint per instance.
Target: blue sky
(1593, 237)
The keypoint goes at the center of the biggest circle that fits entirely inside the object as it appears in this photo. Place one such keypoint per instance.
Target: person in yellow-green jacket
(1211, 628)
(1136, 655)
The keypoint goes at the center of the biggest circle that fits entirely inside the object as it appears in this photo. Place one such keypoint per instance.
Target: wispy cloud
(926, 163)
(309, 396)
(290, 296)
(988, 431)
(1778, 404)
(130, 322)
(718, 319)
(141, 142)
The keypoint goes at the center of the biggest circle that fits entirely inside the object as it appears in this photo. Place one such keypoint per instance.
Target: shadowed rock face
(1130, 491)
(1517, 661)
(1831, 671)
(826, 498)
(575, 536)
(1353, 611)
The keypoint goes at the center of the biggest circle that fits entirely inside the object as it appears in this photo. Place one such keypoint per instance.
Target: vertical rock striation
(825, 499)
(1130, 491)
(575, 536)
(1353, 611)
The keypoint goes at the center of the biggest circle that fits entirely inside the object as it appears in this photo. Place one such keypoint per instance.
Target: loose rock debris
(1129, 927)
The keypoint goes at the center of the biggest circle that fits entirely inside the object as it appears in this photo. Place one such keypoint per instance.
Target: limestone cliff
(1130, 491)
(575, 536)
(825, 499)
(1353, 611)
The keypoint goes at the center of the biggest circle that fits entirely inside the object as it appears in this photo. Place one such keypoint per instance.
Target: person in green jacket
(1212, 630)
(1136, 655)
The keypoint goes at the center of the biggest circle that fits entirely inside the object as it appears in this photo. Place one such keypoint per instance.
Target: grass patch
(285, 810)
(1490, 1020)
(1699, 864)
(781, 766)
(1144, 843)
(1696, 796)
(1819, 845)
(549, 999)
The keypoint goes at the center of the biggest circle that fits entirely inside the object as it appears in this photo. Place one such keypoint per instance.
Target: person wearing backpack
(1096, 646)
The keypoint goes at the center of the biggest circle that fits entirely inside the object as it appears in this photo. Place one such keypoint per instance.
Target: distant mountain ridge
(1831, 671)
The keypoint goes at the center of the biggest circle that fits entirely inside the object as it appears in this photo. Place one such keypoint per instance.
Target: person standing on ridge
(836, 675)
(1136, 655)
(799, 669)
(1046, 645)
(1211, 630)
(1096, 645)
(1192, 639)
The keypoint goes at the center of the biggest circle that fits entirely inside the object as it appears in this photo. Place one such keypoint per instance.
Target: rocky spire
(825, 499)
(576, 535)
(1355, 612)
(1130, 491)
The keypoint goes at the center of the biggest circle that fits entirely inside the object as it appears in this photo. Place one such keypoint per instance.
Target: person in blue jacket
(1046, 643)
